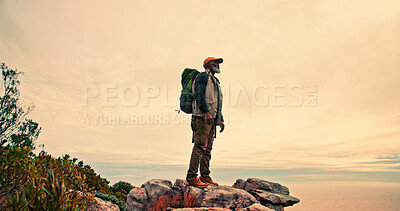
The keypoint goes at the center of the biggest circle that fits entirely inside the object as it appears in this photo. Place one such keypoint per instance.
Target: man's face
(214, 66)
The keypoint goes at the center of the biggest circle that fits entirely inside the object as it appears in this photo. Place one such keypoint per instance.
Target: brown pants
(203, 137)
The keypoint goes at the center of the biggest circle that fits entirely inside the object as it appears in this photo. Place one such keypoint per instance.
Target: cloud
(349, 56)
(389, 156)
(12, 35)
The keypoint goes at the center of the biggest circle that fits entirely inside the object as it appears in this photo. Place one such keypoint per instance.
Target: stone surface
(256, 207)
(275, 207)
(255, 183)
(200, 209)
(103, 205)
(269, 194)
(155, 194)
(136, 199)
(214, 196)
(274, 198)
(245, 195)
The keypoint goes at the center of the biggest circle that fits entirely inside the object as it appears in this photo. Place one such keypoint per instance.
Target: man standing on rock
(206, 117)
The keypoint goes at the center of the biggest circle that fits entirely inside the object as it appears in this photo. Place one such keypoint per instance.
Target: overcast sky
(311, 88)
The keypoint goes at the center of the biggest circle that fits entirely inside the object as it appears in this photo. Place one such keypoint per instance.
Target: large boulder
(214, 196)
(274, 198)
(200, 209)
(254, 207)
(136, 199)
(256, 183)
(244, 195)
(269, 194)
(154, 195)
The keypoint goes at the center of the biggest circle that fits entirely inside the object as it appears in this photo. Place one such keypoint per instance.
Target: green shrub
(16, 167)
(121, 190)
(25, 176)
(39, 182)
(93, 181)
(113, 199)
(48, 194)
(123, 187)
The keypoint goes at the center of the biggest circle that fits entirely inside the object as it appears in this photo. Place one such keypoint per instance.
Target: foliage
(93, 180)
(111, 198)
(123, 187)
(28, 133)
(121, 190)
(26, 176)
(15, 165)
(40, 182)
(50, 194)
(15, 128)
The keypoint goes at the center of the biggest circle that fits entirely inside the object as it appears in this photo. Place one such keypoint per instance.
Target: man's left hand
(222, 126)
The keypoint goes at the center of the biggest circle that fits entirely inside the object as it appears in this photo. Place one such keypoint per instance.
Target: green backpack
(186, 99)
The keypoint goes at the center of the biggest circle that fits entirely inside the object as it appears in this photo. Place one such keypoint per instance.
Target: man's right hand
(208, 118)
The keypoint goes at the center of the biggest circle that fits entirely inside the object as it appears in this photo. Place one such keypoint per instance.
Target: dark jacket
(207, 96)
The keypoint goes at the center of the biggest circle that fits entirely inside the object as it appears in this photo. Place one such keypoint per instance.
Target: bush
(93, 181)
(16, 168)
(121, 190)
(50, 194)
(41, 182)
(123, 187)
(113, 199)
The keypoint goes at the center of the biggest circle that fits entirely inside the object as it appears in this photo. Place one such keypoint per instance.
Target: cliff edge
(251, 195)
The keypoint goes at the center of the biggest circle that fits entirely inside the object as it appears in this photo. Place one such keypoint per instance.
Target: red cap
(209, 59)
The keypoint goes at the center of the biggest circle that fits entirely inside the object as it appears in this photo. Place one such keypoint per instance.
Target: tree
(123, 187)
(121, 190)
(15, 128)
(29, 181)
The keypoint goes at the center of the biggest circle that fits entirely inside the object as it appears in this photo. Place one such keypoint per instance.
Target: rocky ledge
(251, 195)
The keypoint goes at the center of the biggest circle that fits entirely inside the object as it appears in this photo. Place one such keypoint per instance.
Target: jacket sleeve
(200, 91)
(222, 116)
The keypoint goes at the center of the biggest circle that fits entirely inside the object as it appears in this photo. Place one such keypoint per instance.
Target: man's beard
(216, 70)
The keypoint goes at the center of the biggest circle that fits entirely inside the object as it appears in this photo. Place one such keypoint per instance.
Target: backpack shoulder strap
(202, 73)
(217, 79)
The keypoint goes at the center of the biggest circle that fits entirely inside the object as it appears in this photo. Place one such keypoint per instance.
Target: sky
(311, 88)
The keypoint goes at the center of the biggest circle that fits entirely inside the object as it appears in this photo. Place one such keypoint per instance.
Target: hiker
(207, 106)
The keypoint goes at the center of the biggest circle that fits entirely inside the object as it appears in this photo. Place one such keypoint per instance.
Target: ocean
(348, 196)
(314, 196)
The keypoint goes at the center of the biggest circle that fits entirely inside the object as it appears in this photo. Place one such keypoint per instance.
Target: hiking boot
(208, 180)
(196, 182)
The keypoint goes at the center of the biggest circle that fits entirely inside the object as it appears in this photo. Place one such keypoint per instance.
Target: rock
(214, 196)
(269, 194)
(103, 205)
(200, 209)
(274, 198)
(156, 194)
(244, 195)
(255, 183)
(136, 199)
(256, 207)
